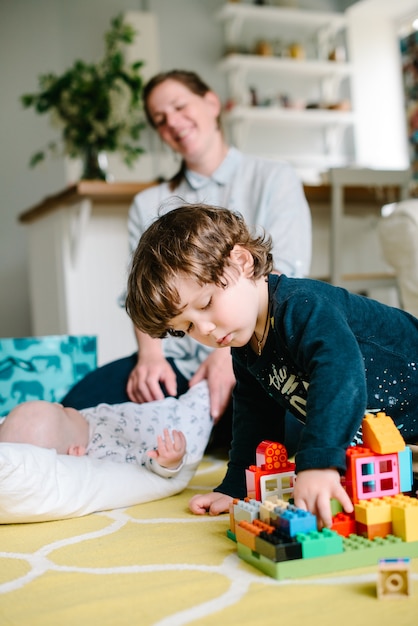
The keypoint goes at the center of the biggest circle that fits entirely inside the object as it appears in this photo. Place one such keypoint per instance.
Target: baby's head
(48, 425)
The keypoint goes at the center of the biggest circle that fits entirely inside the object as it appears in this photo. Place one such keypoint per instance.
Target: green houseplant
(97, 105)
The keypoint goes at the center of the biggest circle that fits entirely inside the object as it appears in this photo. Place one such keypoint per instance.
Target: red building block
(344, 524)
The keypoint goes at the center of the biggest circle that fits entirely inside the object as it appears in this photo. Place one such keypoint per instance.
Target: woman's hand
(151, 370)
(217, 370)
(314, 490)
(213, 503)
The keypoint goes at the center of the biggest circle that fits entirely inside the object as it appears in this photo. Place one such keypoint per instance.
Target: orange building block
(380, 434)
(370, 531)
(246, 532)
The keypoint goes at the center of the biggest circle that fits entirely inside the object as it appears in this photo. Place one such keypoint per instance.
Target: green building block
(320, 543)
(358, 552)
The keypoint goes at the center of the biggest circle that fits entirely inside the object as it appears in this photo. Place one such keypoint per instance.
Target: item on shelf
(297, 51)
(289, 48)
(264, 48)
(337, 54)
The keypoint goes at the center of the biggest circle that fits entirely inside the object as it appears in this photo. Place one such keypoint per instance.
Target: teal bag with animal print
(43, 368)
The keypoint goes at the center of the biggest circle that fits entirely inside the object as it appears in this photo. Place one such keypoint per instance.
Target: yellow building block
(404, 517)
(373, 511)
(380, 434)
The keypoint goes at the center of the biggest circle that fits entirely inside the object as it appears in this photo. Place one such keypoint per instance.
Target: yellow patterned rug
(156, 564)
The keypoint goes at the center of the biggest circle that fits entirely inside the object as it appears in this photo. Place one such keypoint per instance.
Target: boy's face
(219, 317)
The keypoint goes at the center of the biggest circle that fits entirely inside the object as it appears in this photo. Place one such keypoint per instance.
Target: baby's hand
(213, 503)
(170, 451)
(314, 490)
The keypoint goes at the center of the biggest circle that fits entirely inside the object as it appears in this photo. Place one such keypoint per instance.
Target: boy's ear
(243, 258)
(77, 450)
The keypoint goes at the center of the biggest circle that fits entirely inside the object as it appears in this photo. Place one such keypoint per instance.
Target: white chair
(398, 235)
(390, 186)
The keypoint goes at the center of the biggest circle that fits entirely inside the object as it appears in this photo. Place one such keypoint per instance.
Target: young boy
(297, 344)
(122, 432)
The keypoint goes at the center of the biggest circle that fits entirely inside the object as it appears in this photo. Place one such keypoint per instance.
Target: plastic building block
(277, 547)
(380, 434)
(406, 475)
(245, 533)
(280, 485)
(358, 552)
(374, 511)
(371, 475)
(283, 541)
(272, 456)
(248, 511)
(269, 509)
(393, 579)
(320, 543)
(405, 517)
(344, 524)
(335, 507)
(271, 460)
(293, 521)
(371, 531)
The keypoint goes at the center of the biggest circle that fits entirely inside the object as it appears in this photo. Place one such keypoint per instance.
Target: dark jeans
(108, 384)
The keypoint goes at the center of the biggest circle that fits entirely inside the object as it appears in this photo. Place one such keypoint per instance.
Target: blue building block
(406, 476)
(293, 521)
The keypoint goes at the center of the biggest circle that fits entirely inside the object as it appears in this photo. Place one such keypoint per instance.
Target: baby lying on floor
(128, 432)
(39, 484)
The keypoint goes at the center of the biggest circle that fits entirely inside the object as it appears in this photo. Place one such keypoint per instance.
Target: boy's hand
(314, 490)
(170, 451)
(213, 503)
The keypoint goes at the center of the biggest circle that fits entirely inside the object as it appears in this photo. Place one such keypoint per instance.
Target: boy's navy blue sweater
(329, 356)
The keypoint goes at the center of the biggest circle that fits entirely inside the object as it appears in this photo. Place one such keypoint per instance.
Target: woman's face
(185, 121)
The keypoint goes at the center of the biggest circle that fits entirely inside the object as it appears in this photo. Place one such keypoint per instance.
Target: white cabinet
(283, 107)
(78, 262)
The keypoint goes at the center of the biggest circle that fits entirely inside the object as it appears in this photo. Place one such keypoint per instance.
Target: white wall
(377, 92)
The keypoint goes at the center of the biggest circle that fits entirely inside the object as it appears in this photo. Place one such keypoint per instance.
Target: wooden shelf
(96, 190)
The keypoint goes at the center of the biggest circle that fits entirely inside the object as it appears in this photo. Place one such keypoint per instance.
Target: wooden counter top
(97, 190)
(102, 191)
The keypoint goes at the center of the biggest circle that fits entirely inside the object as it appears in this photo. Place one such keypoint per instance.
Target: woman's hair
(192, 241)
(193, 83)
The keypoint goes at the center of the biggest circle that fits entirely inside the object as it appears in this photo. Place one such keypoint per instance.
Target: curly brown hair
(194, 241)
